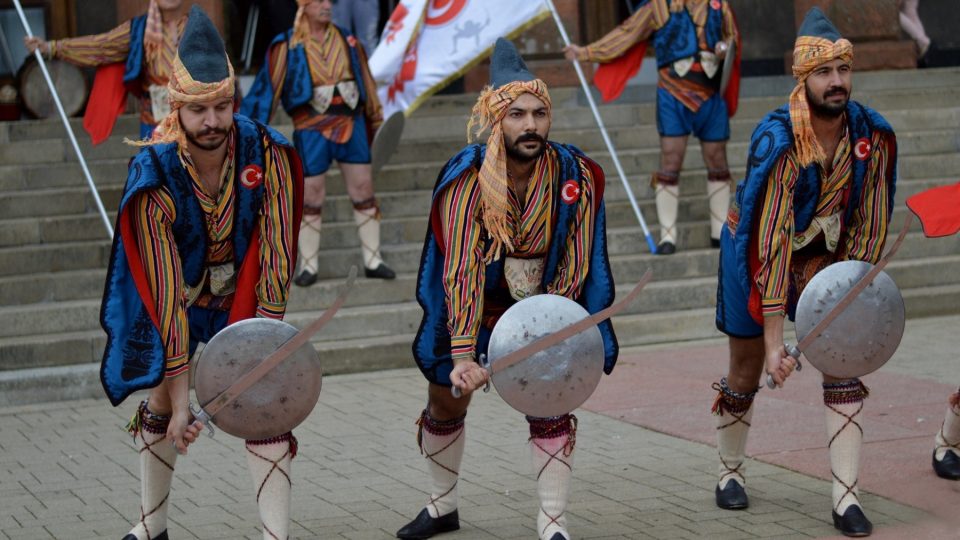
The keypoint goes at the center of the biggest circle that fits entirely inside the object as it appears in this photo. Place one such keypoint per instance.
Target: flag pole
(603, 131)
(66, 122)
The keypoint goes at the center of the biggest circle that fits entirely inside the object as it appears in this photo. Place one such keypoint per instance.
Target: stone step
(627, 136)
(372, 313)
(352, 352)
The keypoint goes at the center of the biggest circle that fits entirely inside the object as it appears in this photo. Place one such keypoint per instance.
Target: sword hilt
(485, 364)
(793, 352)
(203, 417)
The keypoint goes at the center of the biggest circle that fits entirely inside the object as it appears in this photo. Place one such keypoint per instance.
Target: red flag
(938, 210)
(108, 99)
(611, 78)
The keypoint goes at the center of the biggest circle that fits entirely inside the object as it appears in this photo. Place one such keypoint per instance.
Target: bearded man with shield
(819, 189)
(319, 72)
(205, 237)
(698, 66)
(511, 219)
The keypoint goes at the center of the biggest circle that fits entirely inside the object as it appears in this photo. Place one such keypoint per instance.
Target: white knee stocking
(269, 462)
(844, 403)
(157, 460)
(442, 443)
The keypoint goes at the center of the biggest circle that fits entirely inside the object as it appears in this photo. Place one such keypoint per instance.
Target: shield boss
(556, 380)
(275, 404)
(865, 335)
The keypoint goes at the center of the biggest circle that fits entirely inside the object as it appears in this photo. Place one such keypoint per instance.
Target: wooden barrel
(35, 96)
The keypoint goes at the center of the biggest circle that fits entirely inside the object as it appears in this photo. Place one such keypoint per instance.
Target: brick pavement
(67, 470)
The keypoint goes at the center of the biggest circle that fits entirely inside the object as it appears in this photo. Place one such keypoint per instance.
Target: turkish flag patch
(251, 177)
(715, 4)
(862, 148)
(352, 41)
(570, 191)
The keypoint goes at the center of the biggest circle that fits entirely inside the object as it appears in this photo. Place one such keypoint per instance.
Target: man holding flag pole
(692, 39)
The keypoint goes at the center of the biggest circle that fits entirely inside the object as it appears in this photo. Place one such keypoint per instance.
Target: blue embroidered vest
(134, 356)
(431, 347)
(677, 39)
(770, 140)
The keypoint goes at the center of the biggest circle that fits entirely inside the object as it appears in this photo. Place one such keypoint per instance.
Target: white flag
(429, 43)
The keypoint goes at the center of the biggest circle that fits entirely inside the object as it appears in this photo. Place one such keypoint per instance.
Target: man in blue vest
(319, 73)
(512, 218)
(691, 38)
(204, 238)
(819, 188)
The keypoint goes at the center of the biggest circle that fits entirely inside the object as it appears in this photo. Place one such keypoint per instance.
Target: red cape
(108, 99)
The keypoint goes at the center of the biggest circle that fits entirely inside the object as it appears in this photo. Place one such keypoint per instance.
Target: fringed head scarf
(818, 42)
(201, 72)
(301, 26)
(153, 32)
(488, 112)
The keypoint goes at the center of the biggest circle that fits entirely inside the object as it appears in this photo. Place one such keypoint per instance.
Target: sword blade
(214, 406)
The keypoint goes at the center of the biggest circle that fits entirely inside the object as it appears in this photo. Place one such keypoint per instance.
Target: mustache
(212, 131)
(837, 91)
(527, 137)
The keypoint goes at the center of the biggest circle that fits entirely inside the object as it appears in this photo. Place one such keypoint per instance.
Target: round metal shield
(865, 335)
(275, 404)
(386, 140)
(553, 381)
(728, 62)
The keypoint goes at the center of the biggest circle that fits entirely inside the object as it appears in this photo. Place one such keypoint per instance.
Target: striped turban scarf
(494, 187)
(153, 32)
(301, 26)
(808, 53)
(184, 89)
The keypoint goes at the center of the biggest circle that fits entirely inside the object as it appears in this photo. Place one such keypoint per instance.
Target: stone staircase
(53, 246)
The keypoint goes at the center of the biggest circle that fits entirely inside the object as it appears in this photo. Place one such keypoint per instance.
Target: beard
(820, 107)
(522, 155)
(194, 138)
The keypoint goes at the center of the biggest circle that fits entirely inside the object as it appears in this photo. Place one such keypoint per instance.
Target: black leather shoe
(558, 536)
(423, 526)
(666, 248)
(715, 243)
(380, 272)
(305, 278)
(948, 467)
(853, 522)
(163, 536)
(732, 497)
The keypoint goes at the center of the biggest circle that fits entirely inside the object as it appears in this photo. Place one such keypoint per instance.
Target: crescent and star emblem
(251, 177)
(570, 191)
(862, 148)
(443, 11)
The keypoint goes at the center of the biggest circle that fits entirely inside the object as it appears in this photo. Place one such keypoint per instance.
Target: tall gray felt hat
(201, 49)
(506, 65)
(816, 24)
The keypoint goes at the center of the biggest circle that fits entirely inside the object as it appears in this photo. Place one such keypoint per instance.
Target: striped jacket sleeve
(463, 268)
(91, 51)
(648, 18)
(276, 235)
(153, 216)
(776, 235)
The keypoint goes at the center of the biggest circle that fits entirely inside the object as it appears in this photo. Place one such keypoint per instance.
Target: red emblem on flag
(715, 4)
(862, 148)
(407, 73)
(570, 191)
(395, 25)
(443, 11)
(251, 177)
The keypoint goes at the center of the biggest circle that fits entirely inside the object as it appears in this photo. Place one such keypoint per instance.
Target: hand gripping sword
(848, 298)
(207, 411)
(564, 333)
